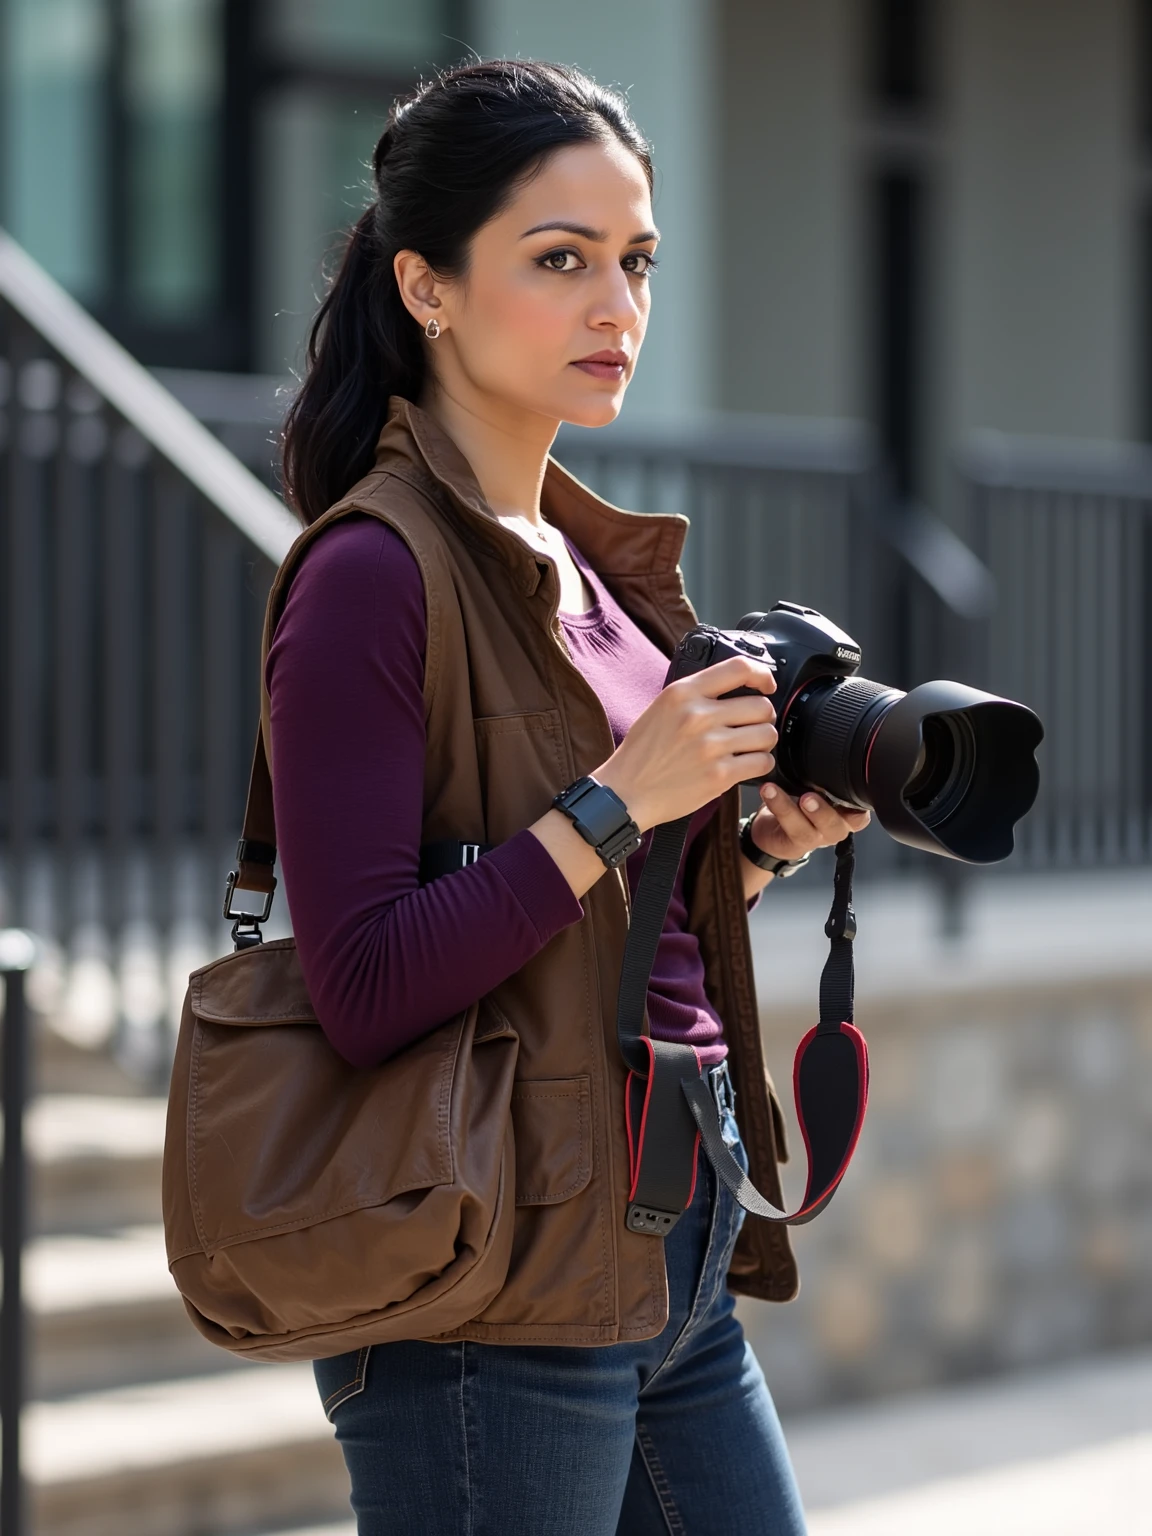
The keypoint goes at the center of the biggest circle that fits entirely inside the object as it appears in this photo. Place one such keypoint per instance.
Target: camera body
(947, 768)
(801, 646)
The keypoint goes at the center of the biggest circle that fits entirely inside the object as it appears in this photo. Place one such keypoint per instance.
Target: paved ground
(1065, 1452)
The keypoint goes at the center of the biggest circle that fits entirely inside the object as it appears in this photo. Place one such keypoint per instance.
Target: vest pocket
(552, 1126)
(523, 762)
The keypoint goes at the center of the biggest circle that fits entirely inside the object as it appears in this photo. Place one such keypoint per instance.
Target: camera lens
(944, 769)
(825, 733)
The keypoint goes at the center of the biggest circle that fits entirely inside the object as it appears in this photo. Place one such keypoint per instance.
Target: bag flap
(253, 987)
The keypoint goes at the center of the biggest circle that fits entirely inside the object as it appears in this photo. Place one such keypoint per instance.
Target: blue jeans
(672, 1434)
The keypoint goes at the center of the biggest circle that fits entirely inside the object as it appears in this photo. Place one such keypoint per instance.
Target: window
(183, 165)
(379, 35)
(56, 56)
(334, 70)
(173, 71)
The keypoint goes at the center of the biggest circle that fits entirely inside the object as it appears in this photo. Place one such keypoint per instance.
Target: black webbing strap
(449, 854)
(838, 979)
(830, 1075)
(649, 909)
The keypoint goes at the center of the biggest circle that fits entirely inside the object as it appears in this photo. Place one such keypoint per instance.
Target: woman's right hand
(690, 745)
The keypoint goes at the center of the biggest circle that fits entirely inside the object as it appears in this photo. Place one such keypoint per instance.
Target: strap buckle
(651, 1222)
(249, 917)
(246, 925)
(842, 925)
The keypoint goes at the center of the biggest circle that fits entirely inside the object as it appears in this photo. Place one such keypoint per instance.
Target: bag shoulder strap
(256, 850)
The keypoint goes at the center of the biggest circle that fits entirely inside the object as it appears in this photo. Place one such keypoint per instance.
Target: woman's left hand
(788, 829)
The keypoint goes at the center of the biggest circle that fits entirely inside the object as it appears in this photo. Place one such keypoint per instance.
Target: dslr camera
(946, 768)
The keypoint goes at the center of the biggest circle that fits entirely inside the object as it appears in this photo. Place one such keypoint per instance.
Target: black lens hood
(1005, 778)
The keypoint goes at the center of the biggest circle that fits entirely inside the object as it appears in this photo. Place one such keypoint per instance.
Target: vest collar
(617, 543)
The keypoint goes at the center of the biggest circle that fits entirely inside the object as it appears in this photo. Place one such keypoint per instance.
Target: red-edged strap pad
(662, 1138)
(831, 1077)
(671, 1111)
(830, 1083)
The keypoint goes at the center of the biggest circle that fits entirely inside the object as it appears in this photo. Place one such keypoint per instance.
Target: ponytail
(450, 158)
(362, 347)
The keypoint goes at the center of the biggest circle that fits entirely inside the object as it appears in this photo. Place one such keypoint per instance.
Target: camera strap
(669, 1107)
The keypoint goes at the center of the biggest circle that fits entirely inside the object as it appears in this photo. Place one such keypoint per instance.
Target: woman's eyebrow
(587, 232)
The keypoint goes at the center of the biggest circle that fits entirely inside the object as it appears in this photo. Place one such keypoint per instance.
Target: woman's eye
(554, 261)
(650, 263)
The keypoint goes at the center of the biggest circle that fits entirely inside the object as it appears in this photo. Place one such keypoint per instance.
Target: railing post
(16, 954)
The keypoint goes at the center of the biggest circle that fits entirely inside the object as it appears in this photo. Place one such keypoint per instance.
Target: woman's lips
(602, 370)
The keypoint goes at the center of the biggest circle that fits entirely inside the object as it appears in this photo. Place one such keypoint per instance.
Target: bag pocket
(552, 1125)
(304, 1197)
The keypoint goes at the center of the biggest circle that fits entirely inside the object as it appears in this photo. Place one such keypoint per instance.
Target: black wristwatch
(781, 868)
(601, 818)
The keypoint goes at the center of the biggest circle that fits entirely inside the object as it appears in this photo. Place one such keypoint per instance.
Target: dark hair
(451, 158)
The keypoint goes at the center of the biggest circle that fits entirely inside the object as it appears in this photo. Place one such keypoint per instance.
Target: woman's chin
(595, 413)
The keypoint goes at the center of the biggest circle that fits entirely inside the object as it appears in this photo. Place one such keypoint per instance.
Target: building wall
(788, 323)
(662, 53)
(998, 1212)
(1040, 296)
(1031, 265)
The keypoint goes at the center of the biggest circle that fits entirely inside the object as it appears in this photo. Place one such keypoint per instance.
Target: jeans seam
(349, 1389)
(700, 1306)
(695, 1311)
(659, 1480)
(470, 1520)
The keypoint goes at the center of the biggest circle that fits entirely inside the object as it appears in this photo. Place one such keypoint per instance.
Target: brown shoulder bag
(312, 1207)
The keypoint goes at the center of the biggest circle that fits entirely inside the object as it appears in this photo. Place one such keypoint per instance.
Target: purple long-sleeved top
(387, 959)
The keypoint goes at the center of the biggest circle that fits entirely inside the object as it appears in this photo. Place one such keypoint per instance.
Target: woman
(470, 635)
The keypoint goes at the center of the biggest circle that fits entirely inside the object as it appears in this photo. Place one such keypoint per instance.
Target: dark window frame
(224, 336)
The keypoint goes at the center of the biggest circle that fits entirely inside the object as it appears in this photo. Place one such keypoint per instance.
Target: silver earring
(432, 329)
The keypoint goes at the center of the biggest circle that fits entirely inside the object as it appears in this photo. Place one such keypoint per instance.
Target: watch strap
(771, 865)
(601, 818)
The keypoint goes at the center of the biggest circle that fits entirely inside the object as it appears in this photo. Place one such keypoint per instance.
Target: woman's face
(560, 276)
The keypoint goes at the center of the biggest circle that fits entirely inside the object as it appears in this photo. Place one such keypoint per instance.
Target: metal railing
(136, 552)
(778, 510)
(1066, 531)
(17, 952)
(136, 557)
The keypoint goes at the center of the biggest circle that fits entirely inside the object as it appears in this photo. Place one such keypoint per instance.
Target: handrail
(1062, 466)
(157, 415)
(732, 440)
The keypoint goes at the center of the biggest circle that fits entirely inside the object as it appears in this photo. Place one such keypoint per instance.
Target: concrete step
(62, 1066)
(211, 1456)
(104, 1312)
(95, 1161)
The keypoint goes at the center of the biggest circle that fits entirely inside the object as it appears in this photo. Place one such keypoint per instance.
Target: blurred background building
(929, 215)
(899, 366)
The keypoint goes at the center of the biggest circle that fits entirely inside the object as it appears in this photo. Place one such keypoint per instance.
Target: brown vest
(510, 720)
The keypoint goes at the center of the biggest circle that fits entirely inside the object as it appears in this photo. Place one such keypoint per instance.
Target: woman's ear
(419, 287)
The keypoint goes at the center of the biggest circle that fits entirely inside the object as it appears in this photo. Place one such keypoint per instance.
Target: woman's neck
(506, 448)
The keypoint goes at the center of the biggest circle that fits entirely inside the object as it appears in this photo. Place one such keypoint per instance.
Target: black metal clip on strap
(670, 1109)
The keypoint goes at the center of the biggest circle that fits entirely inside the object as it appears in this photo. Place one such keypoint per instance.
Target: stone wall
(999, 1208)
